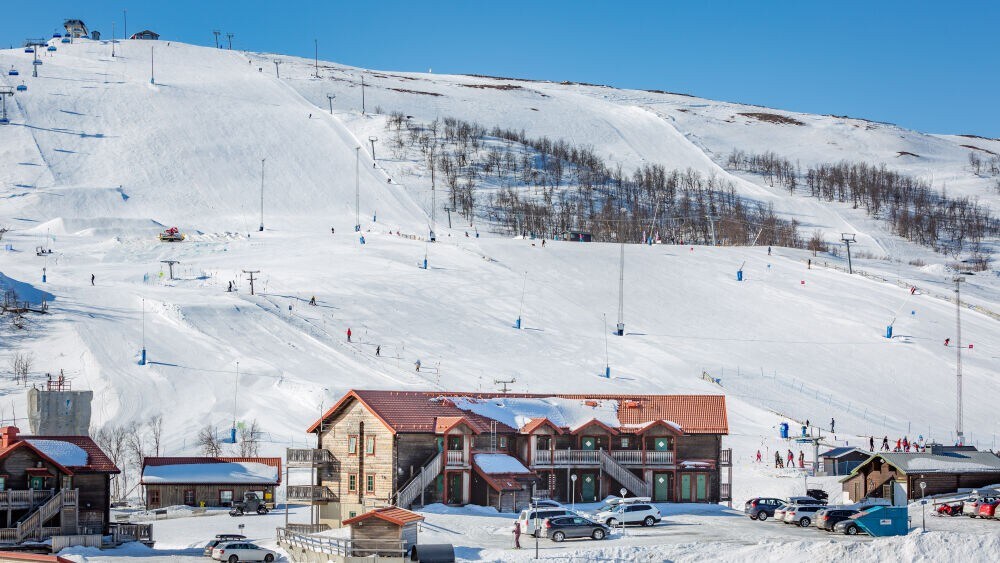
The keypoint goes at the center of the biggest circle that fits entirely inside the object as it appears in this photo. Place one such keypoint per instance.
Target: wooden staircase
(64, 502)
(638, 487)
(429, 472)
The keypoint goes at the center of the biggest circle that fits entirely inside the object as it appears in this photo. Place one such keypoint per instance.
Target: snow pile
(499, 463)
(564, 413)
(221, 473)
(63, 453)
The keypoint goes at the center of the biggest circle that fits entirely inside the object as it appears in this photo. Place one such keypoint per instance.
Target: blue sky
(928, 66)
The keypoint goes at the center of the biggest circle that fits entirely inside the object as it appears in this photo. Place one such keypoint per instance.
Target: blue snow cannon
(783, 428)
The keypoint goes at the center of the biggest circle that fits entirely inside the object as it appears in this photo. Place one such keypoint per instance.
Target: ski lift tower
(4, 92)
(848, 239)
(816, 441)
(170, 265)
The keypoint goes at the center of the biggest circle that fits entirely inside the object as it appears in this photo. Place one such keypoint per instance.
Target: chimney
(8, 436)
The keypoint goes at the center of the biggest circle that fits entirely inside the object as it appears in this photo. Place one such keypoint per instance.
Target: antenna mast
(958, 359)
(262, 194)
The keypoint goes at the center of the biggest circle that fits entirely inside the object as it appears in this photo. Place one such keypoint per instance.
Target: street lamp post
(923, 506)
(572, 494)
(372, 139)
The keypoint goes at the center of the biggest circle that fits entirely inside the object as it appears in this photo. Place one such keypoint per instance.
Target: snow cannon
(888, 331)
(783, 429)
(517, 323)
(172, 234)
(739, 275)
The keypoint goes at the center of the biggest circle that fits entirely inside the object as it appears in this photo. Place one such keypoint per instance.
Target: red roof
(536, 423)
(417, 411)
(158, 461)
(443, 424)
(97, 460)
(392, 514)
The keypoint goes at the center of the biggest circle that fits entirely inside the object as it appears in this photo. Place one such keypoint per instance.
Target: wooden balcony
(311, 493)
(300, 457)
(13, 499)
(570, 458)
(456, 458)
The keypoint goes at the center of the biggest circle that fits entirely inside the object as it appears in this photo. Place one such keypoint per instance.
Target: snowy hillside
(100, 160)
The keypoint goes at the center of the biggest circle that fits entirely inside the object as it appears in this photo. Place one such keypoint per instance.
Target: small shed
(208, 481)
(383, 531)
(578, 236)
(146, 35)
(841, 461)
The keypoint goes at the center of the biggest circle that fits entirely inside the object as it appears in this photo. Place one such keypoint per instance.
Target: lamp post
(623, 491)
(534, 503)
(923, 506)
(572, 494)
(372, 139)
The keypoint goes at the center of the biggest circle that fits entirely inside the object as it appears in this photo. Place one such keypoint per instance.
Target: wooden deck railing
(593, 457)
(311, 493)
(429, 472)
(456, 457)
(296, 457)
(122, 533)
(342, 547)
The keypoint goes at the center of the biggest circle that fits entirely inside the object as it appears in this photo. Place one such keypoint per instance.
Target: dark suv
(827, 519)
(562, 527)
(761, 508)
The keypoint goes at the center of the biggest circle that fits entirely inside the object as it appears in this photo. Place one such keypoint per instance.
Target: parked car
(545, 503)
(988, 509)
(827, 518)
(221, 538)
(644, 514)
(782, 511)
(818, 494)
(970, 507)
(849, 525)
(236, 551)
(801, 514)
(561, 527)
(527, 518)
(760, 508)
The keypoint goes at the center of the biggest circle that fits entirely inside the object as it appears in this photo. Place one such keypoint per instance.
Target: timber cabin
(52, 485)
(945, 469)
(404, 448)
(208, 481)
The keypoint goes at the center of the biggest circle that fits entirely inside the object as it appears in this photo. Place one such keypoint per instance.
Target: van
(528, 517)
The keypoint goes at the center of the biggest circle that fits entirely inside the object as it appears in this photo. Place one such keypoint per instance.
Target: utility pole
(142, 359)
(125, 25)
(229, 36)
(711, 221)
(262, 194)
(357, 188)
(112, 40)
(503, 383)
(276, 73)
(316, 59)
(362, 94)
(848, 239)
(621, 290)
(372, 139)
(330, 98)
(434, 201)
(448, 210)
(170, 265)
(152, 66)
(958, 358)
(35, 63)
(216, 33)
(251, 272)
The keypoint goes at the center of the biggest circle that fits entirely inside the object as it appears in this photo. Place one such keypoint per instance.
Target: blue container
(783, 428)
(804, 431)
(885, 521)
(888, 331)
(739, 275)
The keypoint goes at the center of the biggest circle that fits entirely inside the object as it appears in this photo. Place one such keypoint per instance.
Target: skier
(802, 459)
(810, 263)
(807, 423)
(946, 340)
(871, 443)
(791, 459)
(310, 116)
(543, 243)
(517, 534)
(906, 444)
(899, 445)
(378, 350)
(885, 443)
(777, 459)
(417, 364)
(769, 251)
(758, 456)
(230, 288)
(832, 426)
(91, 279)
(348, 334)
(333, 230)
(313, 300)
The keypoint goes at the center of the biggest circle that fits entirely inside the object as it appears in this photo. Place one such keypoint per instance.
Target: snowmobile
(172, 234)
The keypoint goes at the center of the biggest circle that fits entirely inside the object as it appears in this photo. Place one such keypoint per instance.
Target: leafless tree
(113, 440)
(208, 441)
(20, 366)
(250, 439)
(155, 425)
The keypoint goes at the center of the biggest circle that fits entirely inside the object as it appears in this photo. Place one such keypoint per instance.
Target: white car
(802, 514)
(639, 513)
(235, 551)
(528, 518)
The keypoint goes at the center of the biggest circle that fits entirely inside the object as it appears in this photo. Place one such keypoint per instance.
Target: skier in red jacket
(348, 334)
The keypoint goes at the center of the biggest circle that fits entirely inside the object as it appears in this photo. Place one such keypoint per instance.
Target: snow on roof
(63, 453)
(499, 463)
(515, 412)
(950, 462)
(221, 473)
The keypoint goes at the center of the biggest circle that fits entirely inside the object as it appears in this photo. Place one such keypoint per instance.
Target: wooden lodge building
(52, 485)
(945, 469)
(403, 448)
(208, 481)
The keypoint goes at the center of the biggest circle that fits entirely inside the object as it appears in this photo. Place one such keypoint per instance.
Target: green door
(440, 443)
(661, 444)
(588, 443)
(588, 488)
(701, 481)
(38, 483)
(685, 487)
(455, 495)
(661, 487)
(455, 443)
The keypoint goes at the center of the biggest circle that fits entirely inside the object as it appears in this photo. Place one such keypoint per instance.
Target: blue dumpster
(884, 521)
(783, 427)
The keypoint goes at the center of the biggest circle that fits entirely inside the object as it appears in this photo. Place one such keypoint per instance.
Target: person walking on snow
(417, 364)
(517, 534)
(871, 443)
(899, 445)
(777, 459)
(832, 426)
(791, 459)
(885, 443)
(906, 444)
(91, 279)
(758, 456)
(769, 251)
(348, 334)
(378, 350)
(802, 460)
(946, 341)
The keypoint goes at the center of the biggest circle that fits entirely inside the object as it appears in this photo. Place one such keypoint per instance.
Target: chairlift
(66, 40)
(51, 48)
(22, 88)
(29, 49)
(12, 71)
(36, 63)
(4, 121)
(56, 35)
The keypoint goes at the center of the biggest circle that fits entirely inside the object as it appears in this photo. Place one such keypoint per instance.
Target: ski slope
(97, 160)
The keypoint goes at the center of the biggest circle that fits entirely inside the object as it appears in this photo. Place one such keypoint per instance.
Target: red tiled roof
(536, 423)
(392, 514)
(416, 411)
(97, 460)
(443, 424)
(158, 461)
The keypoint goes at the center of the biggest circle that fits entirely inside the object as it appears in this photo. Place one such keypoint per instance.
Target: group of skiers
(781, 463)
(902, 444)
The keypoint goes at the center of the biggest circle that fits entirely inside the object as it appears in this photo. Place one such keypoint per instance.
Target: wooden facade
(896, 478)
(375, 462)
(188, 484)
(210, 495)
